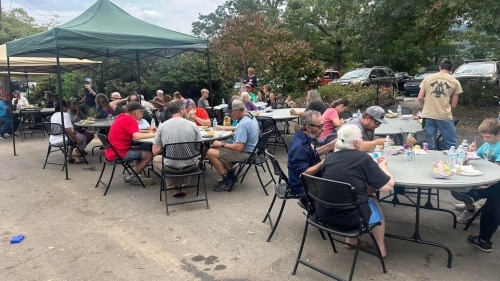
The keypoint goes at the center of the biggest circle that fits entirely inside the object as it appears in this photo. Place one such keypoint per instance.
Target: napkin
(390, 111)
(421, 152)
(441, 170)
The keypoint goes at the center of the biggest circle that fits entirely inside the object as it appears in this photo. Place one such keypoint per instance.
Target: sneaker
(222, 187)
(462, 196)
(145, 181)
(481, 245)
(461, 206)
(2, 137)
(12, 135)
(466, 216)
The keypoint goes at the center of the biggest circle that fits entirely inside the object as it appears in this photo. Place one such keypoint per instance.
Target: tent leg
(59, 84)
(10, 104)
(138, 74)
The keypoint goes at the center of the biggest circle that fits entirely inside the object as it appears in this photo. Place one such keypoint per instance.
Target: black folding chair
(54, 129)
(277, 137)
(178, 152)
(117, 161)
(335, 195)
(31, 119)
(282, 191)
(346, 114)
(257, 158)
(404, 110)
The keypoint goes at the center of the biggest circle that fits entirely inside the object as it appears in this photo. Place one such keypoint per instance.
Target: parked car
(329, 76)
(412, 86)
(377, 75)
(478, 71)
(401, 79)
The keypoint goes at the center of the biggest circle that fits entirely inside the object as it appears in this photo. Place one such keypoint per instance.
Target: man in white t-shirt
(57, 140)
(22, 101)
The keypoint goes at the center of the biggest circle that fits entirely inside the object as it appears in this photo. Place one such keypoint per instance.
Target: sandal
(362, 244)
(79, 162)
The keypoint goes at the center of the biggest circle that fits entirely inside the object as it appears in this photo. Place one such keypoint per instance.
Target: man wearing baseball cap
(371, 119)
(223, 154)
(125, 129)
(90, 93)
(197, 114)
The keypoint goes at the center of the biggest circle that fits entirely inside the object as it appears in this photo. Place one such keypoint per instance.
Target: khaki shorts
(228, 156)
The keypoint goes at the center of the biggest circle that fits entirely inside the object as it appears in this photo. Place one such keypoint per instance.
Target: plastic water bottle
(153, 123)
(460, 155)
(358, 114)
(387, 145)
(223, 102)
(214, 123)
(400, 111)
(498, 116)
(465, 146)
(452, 158)
(377, 153)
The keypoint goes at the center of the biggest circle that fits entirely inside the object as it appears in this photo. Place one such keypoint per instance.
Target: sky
(177, 15)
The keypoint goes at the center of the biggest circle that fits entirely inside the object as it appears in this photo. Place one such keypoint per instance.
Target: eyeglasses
(317, 126)
(377, 123)
(104, 101)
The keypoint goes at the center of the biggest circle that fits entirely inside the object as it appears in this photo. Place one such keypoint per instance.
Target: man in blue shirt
(90, 93)
(223, 154)
(5, 108)
(303, 156)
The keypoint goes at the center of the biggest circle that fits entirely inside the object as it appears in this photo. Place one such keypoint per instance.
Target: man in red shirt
(125, 129)
(197, 114)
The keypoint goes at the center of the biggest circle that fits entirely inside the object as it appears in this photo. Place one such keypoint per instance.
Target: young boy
(490, 214)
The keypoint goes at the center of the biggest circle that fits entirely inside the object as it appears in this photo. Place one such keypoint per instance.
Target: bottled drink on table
(465, 145)
(452, 157)
(400, 111)
(358, 114)
(377, 153)
(153, 122)
(460, 155)
(387, 146)
(214, 123)
(223, 102)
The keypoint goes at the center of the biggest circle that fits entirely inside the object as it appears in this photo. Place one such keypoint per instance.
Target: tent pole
(138, 75)
(102, 79)
(210, 79)
(27, 86)
(59, 84)
(50, 84)
(10, 105)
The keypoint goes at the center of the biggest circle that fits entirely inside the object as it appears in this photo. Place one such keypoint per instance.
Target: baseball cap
(88, 80)
(116, 95)
(189, 102)
(234, 105)
(16, 92)
(377, 113)
(133, 105)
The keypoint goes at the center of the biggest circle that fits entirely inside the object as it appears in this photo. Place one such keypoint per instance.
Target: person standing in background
(90, 93)
(250, 77)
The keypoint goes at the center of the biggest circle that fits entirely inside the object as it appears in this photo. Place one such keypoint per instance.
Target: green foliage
(479, 94)
(359, 97)
(17, 24)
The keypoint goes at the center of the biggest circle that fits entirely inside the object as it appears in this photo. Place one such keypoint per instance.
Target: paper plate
(472, 173)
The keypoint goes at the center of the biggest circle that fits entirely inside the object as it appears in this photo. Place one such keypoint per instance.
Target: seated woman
(331, 117)
(76, 116)
(245, 97)
(348, 164)
(289, 102)
(269, 95)
(103, 108)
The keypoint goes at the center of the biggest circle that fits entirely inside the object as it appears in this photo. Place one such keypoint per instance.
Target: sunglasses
(377, 123)
(317, 126)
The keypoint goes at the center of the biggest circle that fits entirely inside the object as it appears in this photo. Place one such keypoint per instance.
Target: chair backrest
(107, 145)
(422, 137)
(182, 150)
(276, 167)
(280, 101)
(404, 110)
(346, 114)
(329, 193)
(266, 123)
(29, 112)
(262, 144)
(53, 129)
(399, 139)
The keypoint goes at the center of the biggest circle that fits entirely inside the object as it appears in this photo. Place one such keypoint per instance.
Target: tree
(18, 24)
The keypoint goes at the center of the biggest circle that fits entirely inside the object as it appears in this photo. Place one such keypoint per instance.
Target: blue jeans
(7, 125)
(446, 128)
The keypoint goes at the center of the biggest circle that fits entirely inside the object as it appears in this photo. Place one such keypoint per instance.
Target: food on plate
(417, 147)
(460, 170)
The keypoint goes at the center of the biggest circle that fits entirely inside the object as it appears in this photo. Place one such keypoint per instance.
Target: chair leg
(268, 214)
(322, 234)
(237, 175)
(47, 157)
(205, 189)
(331, 242)
(355, 258)
(260, 180)
(378, 251)
(301, 248)
(110, 180)
(100, 176)
(473, 218)
(277, 219)
(246, 171)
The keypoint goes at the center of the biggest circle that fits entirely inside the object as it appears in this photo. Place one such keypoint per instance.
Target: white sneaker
(461, 206)
(466, 216)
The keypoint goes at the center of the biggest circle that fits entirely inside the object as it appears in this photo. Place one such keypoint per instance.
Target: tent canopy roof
(105, 31)
(40, 65)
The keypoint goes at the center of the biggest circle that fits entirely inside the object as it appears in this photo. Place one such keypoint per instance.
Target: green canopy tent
(105, 31)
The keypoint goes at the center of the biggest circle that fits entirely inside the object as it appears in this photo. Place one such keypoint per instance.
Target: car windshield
(421, 76)
(475, 68)
(356, 73)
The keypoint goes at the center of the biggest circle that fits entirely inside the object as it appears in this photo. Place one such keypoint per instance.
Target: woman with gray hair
(245, 97)
(348, 164)
(314, 102)
(103, 109)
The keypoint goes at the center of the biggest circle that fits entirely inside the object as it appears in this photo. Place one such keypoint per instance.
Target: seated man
(367, 123)
(21, 101)
(51, 100)
(125, 129)
(303, 156)
(223, 154)
(196, 114)
(8, 127)
(57, 140)
(185, 131)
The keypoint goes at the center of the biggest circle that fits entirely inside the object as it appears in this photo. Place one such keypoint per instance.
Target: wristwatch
(222, 143)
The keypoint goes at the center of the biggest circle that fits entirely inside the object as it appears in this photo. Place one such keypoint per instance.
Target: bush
(359, 97)
(479, 93)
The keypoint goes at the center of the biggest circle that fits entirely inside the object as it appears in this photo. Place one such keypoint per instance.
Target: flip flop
(179, 194)
(362, 244)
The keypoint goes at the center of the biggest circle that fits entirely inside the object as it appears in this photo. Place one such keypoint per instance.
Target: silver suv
(478, 71)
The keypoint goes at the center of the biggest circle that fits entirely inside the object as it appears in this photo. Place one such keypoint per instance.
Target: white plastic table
(218, 135)
(102, 123)
(418, 175)
(283, 114)
(394, 126)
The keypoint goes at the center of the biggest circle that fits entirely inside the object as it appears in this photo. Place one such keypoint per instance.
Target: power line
(32, 1)
(33, 10)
